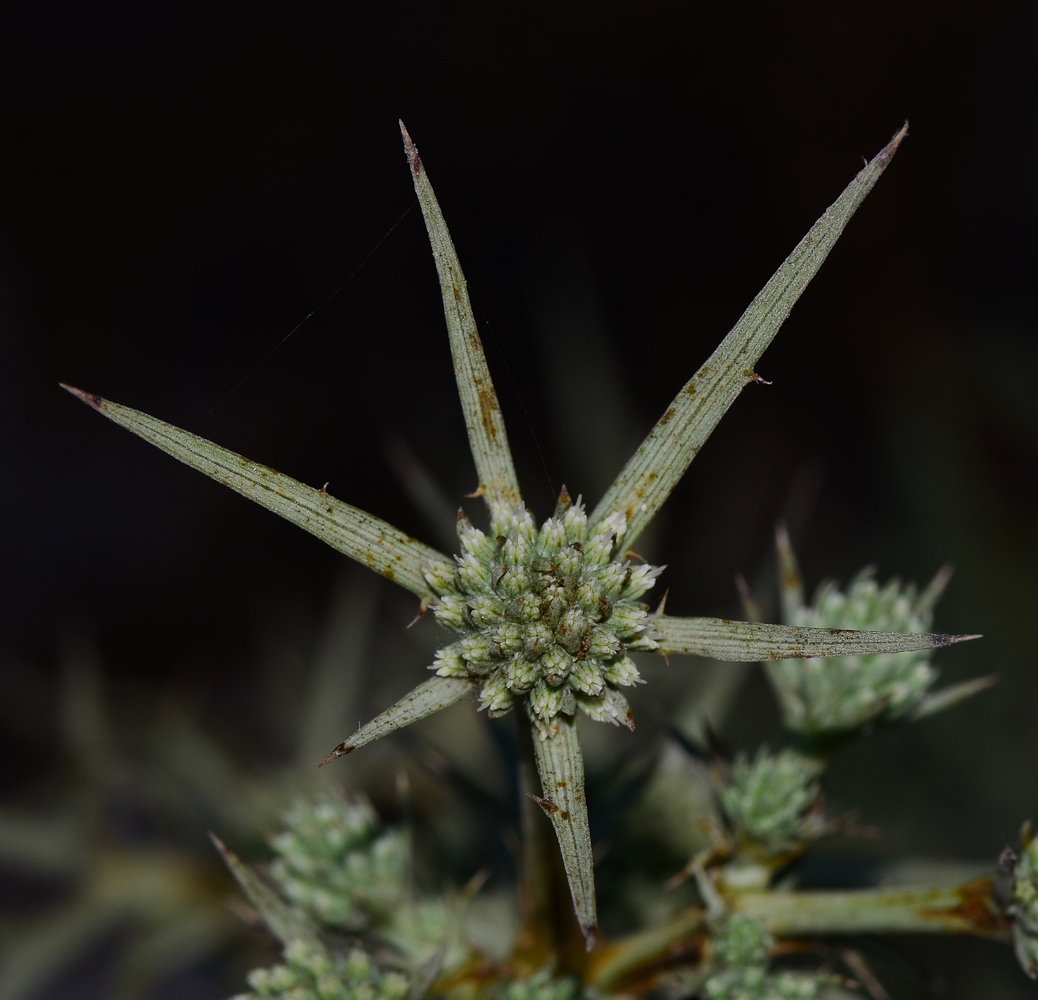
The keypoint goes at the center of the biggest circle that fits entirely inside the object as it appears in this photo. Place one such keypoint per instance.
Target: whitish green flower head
(847, 692)
(546, 617)
(336, 862)
(542, 987)
(1024, 906)
(772, 800)
(311, 972)
(740, 951)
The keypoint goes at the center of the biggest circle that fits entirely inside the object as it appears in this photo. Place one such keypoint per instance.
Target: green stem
(963, 909)
(635, 957)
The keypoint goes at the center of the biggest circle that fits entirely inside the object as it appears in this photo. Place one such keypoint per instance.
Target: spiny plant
(544, 620)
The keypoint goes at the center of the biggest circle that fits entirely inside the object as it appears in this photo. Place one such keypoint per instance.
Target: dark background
(181, 185)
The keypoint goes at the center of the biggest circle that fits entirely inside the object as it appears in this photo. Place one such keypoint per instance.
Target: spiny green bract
(335, 861)
(772, 800)
(311, 972)
(546, 617)
(847, 692)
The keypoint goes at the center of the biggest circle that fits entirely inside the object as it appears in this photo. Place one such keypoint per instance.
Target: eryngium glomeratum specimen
(528, 627)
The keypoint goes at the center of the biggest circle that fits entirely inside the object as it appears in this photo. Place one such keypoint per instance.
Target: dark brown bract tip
(886, 154)
(951, 640)
(88, 397)
(590, 937)
(340, 751)
(413, 159)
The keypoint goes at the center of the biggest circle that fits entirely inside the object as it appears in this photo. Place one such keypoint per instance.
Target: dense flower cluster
(542, 987)
(740, 952)
(312, 973)
(545, 617)
(772, 800)
(336, 861)
(844, 693)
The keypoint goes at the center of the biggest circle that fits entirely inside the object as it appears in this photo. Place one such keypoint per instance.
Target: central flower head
(545, 616)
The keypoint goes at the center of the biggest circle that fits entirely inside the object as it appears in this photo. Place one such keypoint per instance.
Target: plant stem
(640, 955)
(963, 909)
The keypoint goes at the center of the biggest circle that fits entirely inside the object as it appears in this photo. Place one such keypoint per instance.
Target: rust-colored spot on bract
(977, 910)
(702, 371)
(388, 573)
(457, 293)
(487, 406)
(563, 815)
(689, 390)
(370, 560)
(560, 784)
(667, 417)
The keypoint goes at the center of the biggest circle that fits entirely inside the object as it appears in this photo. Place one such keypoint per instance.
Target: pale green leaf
(938, 701)
(721, 639)
(429, 697)
(486, 426)
(661, 460)
(369, 540)
(560, 765)
(286, 923)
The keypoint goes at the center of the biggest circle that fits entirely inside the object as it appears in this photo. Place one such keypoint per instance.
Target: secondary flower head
(546, 617)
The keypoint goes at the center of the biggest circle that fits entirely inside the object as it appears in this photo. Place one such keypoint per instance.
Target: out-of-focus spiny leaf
(951, 695)
(286, 923)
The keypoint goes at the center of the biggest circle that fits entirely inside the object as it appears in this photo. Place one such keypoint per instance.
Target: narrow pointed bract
(483, 419)
(746, 642)
(947, 697)
(560, 765)
(426, 699)
(369, 540)
(661, 460)
(285, 922)
(791, 585)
